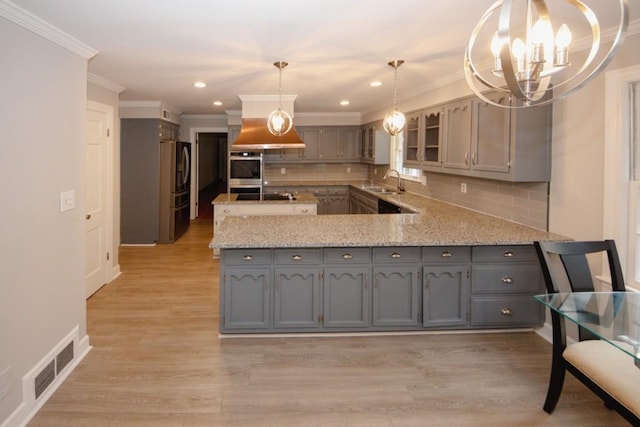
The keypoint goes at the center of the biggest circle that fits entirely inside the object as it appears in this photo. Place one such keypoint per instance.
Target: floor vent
(64, 357)
(45, 378)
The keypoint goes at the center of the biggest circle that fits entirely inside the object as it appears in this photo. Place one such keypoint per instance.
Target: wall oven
(245, 170)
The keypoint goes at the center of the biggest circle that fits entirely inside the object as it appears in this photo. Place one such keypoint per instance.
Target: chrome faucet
(399, 183)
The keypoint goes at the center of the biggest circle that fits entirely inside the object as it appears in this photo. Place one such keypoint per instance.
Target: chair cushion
(610, 368)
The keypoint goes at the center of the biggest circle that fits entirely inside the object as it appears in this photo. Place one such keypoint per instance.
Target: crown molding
(203, 116)
(32, 23)
(107, 84)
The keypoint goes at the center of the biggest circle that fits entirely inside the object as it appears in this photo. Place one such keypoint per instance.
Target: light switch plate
(67, 200)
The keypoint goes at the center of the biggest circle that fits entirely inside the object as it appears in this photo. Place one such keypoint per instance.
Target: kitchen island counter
(435, 224)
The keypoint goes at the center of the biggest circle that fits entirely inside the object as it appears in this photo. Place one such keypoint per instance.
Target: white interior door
(96, 199)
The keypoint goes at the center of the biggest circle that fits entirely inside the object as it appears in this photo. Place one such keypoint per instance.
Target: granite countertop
(231, 198)
(435, 223)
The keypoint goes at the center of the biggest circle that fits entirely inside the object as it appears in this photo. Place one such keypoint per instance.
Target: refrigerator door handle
(187, 164)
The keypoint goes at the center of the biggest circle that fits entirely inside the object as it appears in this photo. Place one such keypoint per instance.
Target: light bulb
(541, 33)
(279, 122)
(394, 123)
(496, 45)
(563, 38)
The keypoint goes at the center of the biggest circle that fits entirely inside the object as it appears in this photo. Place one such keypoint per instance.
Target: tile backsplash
(524, 203)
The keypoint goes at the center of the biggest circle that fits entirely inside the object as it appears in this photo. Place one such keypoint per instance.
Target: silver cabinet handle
(506, 311)
(508, 254)
(466, 158)
(395, 255)
(296, 257)
(347, 256)
(446, 254)
(473, 158)
(247, 258)
(507, 280)
(305, 210)
(227, 210)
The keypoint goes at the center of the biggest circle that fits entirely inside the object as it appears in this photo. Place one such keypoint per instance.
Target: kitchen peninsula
(443, 267)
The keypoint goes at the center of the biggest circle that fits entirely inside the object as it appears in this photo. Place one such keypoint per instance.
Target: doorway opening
(212, 170)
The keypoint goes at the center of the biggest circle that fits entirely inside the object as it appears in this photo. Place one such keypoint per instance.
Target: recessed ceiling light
(200, 85)
(344, 102)
(375, 84)
(217, 103)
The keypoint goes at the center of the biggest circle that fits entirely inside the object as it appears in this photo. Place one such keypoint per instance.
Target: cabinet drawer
(245, 256)
(446, 254)
(347, 256)
(512, 253)
(296, 256)
(503, 311)
(511, 278)
(396, 254)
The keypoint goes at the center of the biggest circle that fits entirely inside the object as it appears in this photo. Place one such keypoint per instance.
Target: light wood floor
(157, 361)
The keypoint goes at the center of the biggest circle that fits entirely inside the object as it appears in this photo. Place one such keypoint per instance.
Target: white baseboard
(30, 405)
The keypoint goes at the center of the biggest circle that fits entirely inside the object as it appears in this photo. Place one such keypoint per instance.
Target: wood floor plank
(158, 361)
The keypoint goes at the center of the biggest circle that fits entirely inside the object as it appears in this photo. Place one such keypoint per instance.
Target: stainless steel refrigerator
(175, 189)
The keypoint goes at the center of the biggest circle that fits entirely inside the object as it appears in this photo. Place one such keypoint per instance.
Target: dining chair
(596, 363)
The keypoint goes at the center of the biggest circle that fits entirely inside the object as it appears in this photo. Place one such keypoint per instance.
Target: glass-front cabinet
(423, 138)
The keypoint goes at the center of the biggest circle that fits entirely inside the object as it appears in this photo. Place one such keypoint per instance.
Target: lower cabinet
(379, 288)
(445, 300)
(347, 297)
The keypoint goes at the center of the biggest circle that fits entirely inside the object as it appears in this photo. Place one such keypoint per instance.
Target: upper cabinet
(375, 144)
(423, 138)
(485, 141)
(324, 144)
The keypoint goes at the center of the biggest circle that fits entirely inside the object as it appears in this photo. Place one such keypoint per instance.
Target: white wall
(577, 169)
(42, 117)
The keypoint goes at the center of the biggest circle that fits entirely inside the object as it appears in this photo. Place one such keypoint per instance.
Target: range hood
(254, 134)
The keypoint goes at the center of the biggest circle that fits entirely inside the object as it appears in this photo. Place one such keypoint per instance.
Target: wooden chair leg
(556, 381)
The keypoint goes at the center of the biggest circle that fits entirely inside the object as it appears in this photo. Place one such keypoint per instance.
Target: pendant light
(394, 121)
(279, 121)
(530, 62)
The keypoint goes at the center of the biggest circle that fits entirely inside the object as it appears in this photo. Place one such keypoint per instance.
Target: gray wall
(42, 116)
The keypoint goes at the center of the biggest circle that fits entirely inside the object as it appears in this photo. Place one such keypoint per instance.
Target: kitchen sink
(380, 190)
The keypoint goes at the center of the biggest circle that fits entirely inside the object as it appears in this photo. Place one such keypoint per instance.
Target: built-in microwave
(245, 169)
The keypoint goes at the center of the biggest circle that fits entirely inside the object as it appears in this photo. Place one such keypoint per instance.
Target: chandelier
(530, 62)
(394, 121)
(279, 121)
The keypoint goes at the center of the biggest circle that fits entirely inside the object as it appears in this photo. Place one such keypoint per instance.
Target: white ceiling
(156, 49)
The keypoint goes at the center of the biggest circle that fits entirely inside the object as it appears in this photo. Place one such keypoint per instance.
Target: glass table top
(612, 316)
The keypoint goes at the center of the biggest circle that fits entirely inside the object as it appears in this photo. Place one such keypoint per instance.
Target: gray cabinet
(347, 297)
(379, 288)
(482, 140)
(140, 178)
(504, 280)
(423, 138)
(324, 144)
(457, 134)
(396, 286)
(347, 289)
(445, 286)
(245, 289)
(375, 144)
(361, 202)
(297, 300)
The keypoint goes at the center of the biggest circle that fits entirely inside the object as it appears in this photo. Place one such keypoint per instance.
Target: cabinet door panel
(491, 135)
(445, 296)
(246, 298)
(395, 296)
(329, 144)
(457, 135)
(347, 297)
(349, 144)
(296, 298)
(411, 140)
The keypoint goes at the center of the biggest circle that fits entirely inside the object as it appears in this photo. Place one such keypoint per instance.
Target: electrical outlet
(283, 171)
(463, 187)
(348, 169)
(67, 200)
